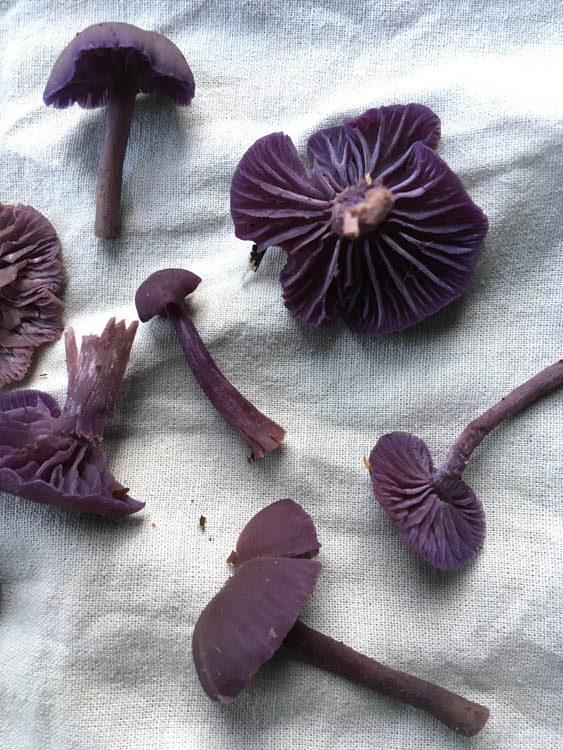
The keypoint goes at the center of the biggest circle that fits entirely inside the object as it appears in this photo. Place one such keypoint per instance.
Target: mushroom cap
(162, 288)
(246, 622)
(32, 277)
(445, 524)
(417, 255)
(106, 53)
(41, 462)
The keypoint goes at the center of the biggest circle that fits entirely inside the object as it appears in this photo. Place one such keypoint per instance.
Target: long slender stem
(258, 431)
(533, 389)
(120, 108)
(306, 644)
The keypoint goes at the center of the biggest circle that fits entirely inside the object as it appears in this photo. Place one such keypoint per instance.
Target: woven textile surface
(96, 615)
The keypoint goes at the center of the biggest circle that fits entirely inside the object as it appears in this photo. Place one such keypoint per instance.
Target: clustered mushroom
(52, 456)
(435, 512)
(108, 64)
(378, 231)
(163, 293)
(32, 277)
(257, 610)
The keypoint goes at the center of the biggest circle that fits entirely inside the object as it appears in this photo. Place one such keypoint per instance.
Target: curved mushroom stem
(258, 431)
(120, 108)
(460, 452)
(306, 644)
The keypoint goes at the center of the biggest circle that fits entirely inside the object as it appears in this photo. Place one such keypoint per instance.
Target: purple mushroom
(256, 612)
(435, 512)
(378, 231)
(163, 293)
(52, 456)
(108, 64)
(31, 279)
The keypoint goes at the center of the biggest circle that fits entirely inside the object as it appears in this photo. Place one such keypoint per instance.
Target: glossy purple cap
(109, 54)
(162, 288)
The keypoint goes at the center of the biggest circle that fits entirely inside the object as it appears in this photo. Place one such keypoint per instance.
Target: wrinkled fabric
(96, 615)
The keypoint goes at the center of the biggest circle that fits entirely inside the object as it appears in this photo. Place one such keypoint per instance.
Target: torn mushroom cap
(51, 456)
(105, 52)
(31, 279)
(378, 230)
(246, 622)
(162, 288)
(443, 522)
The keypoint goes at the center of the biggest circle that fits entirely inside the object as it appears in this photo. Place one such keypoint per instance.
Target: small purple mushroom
(163, 293)
(435, 512)
(378, 231)
(52, 456)
(256, 612)
(31, 279)
(108, 64)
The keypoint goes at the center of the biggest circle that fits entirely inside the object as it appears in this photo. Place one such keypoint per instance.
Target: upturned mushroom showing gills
(435, 512)
(31, 280)
(163, 293)
(378, 230)
(256, 612)
(52, 456)
(108, 64)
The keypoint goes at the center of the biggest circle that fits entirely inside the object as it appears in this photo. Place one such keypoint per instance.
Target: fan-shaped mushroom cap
(108, 53)
(444, 523)
(378, 230)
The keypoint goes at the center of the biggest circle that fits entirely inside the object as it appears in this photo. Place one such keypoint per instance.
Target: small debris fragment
(120, 493)
(366, 463)
(202, 521)
(153, 524)
(254, 260)
(250, 459)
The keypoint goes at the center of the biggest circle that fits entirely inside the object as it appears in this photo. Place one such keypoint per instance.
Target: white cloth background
(96, 616)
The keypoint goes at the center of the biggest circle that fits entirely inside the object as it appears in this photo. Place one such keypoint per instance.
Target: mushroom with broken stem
(257, 610)
(163, 293)
(109, 64)
(435, 512)
(52, 455)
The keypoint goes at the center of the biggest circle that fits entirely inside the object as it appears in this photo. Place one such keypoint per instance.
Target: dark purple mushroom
(31, 279)
(256, 612)
(52, 456)
(163, 293)
(435, 512)
(378, 231)
(108, 64)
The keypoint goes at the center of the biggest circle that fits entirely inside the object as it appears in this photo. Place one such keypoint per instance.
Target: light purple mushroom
(377, 229)
(108, 64)
(31, 280)
(435, 512)
(257, 610)
(52, 456)
(163, 293)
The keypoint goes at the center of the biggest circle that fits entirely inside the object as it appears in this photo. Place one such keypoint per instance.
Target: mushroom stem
(306, 644)
(94, 378)
(120, 108)
(518, 399)
(258, 431)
